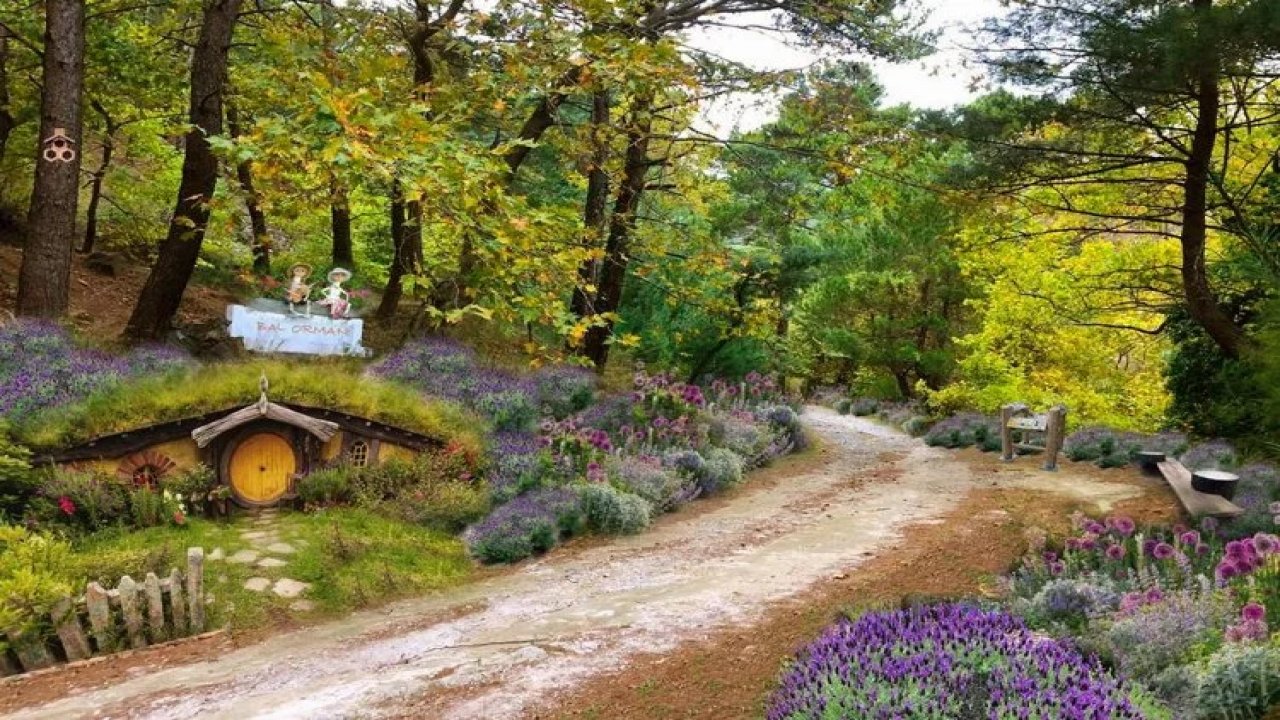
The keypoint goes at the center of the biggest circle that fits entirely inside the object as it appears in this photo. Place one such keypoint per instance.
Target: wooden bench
(1196, 502)
(1048, 429)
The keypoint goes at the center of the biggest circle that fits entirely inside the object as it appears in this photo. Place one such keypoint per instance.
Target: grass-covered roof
(200, 389)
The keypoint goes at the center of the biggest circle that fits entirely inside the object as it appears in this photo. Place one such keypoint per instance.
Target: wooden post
(177, 604)
(195, 588)
(99, 605)
(30, 649)
(130, 608)
(1006, 433)
(155, 609)
(1054, 434)
(66, 622)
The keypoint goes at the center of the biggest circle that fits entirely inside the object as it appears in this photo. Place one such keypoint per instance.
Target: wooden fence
(133, 615)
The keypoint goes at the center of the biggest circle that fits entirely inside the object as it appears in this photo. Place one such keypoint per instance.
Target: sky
(940, 80)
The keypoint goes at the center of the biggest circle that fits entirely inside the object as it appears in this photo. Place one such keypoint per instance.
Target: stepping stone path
(265, 547)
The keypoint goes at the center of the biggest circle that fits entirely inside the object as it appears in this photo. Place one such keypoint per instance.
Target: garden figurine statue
(334, 297)
(299, 292)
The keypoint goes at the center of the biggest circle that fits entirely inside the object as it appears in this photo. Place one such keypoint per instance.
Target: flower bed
(42, 369)
(619, 460)
(948, 661)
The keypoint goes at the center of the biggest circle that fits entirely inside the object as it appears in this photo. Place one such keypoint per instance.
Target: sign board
(270, 331)
(1040, 422)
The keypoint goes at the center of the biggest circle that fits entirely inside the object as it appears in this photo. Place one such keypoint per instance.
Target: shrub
(516, 464)
(1259, 486)
(740, 436)
(844, 406)
(33, 576)
(1240, 682)
(863, 407)
(17, 479)
(916, 425)
(194, 485)
(155, 508)
(327, 486)
(610, 510)
(946, 661)
(786, 421)
(563, 391)
(509, 411)
(1073, 601)
(1215, 455)
(83, 501)
(435, 490)
(962, 430)
(1147, 639)
(644, 475)
(531, 523)
(723, 469)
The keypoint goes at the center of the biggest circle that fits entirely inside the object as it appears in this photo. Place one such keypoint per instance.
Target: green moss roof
(205, 389)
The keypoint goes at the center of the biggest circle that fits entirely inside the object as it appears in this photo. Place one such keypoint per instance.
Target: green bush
(1240, 682)
(844, 406)
(17, 479)
(723, 468)
(152, 508)
(863, 407)
(193, 485)
(33, 576)
(435, 490)
(916, 426)
(80, 500)
(610, 510)
(327, 486)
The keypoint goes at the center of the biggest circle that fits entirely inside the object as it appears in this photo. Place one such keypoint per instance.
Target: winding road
(506, 645)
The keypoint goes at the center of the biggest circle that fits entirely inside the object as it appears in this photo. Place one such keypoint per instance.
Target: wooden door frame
(228, 449)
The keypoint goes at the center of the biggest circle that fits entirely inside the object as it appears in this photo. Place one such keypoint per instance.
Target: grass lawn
(351, 557)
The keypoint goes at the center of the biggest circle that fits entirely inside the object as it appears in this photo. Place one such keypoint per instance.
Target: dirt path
(529, 636)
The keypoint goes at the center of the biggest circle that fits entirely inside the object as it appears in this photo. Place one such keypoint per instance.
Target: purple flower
(1265, 544)
(1253, 611)
(1189, 538)
(1057, 568)
(920, 662)
(1162, 551)
(1115, 551)
(1122, 525)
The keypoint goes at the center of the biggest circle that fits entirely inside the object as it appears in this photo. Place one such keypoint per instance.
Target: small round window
(358, 453)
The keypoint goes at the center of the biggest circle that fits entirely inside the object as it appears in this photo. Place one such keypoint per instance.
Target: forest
(1099, 226)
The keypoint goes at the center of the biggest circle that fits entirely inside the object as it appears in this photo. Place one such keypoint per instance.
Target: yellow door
(261, 467)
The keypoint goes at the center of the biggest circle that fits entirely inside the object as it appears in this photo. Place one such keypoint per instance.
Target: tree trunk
(110, 128)
(6, 116)
(613, 270)
(903, 379)
(340, 221)
(401, 256)
(261, 241)
(158, 303)
(1202, 304)
(44, 279)
(594, 212)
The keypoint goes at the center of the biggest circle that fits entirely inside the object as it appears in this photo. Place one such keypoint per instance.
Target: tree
(162, 294)
(1156, 98)
(43, 281)
(6, 117)
(260, 243)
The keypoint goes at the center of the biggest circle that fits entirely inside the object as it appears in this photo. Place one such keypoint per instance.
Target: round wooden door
(261, 466)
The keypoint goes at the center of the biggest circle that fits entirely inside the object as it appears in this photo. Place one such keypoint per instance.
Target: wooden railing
(133, 615)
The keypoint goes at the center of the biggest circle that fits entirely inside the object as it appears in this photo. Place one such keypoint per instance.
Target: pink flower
(1122, 525)
(66, 506)
(1057, 568)
(1190, 537)
(1265, 544)
(1162, 551)
(179, 518)
(1253, 611)
(1115, 552)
